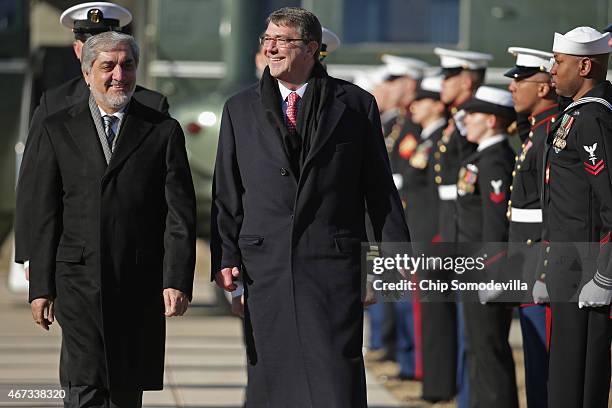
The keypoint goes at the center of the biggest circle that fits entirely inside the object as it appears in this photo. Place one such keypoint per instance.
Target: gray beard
(116, 100)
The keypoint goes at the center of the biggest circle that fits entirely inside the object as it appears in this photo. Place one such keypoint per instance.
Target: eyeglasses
(280, 42)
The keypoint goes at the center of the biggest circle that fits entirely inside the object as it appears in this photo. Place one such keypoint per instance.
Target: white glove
(459, 117)
(485, 296)
(592, 295)
(540, 293)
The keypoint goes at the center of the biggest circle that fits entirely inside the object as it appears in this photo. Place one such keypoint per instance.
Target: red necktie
(292, 101)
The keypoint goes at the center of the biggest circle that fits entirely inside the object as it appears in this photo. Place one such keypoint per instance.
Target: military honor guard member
(463, 72)
(483, 190)
(438, 353)
(113, 232)
(533, 95)
(85, 20)
(576, 201)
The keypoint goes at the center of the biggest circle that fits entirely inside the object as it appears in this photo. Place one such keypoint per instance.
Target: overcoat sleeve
(179, 236)
(382, 199)
(595, 149)
(46, 222)
(227, 212)
(25, 185)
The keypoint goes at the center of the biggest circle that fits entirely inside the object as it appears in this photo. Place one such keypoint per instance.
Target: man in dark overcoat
(85, 20)
(113, 246)
(300, 156)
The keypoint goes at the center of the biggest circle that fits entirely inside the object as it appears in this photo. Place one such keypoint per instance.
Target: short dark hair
(307, 23)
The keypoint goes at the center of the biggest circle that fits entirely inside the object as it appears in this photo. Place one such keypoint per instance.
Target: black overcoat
(53, 101)
(108, 239)
(298, 242)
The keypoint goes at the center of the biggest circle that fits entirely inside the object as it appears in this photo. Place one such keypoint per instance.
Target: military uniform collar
(542, 116)
(493, 140)
(432, 127)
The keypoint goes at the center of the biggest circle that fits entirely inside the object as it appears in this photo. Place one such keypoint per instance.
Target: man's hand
(369, 297)
(26, 269)
(238, 306)
(540, 293)
(42, 312)
(592, 295)
(176, 302)
(225, 278)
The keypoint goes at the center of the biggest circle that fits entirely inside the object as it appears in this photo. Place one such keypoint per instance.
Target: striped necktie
(109, 121)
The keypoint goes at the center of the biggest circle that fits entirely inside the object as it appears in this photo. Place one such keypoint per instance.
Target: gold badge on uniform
(421, 156)
(560, 140)
(466, 184)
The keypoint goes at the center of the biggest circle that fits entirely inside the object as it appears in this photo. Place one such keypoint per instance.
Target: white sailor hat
(430, 88)
(454, 61)
(529, 62)
(404, 66)
(329, 42)
(95, 17)
(582, 41)
(491, 100)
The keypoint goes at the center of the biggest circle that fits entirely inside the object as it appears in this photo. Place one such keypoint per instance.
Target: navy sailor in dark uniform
(533, 95)
(577, 203)
(483, 190)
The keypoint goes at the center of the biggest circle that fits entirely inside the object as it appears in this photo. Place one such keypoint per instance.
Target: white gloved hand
(593, 295)
(485, 296)
(459, 118)
(540, 293)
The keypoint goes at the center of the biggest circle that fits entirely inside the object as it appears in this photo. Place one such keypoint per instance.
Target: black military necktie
(109, 121)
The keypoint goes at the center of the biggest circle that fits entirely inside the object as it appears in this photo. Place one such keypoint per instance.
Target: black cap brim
(608, 28)
(476, 105)
(87, 26)
(519, 72)
(421, 94)
(451, 72)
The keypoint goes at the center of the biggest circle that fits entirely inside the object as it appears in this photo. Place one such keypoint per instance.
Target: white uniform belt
(447, 192)
(526, 215)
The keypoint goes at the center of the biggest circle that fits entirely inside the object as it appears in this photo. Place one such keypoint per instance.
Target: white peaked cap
(109, 11)
(432, 84)
(527, 57)
(582, 41)
(404, 66)
(462, 59)
(370, 79)
(495, 96)
(330, 39)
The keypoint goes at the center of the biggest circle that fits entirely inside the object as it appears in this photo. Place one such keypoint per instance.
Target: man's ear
(77, 47)
(491, 121)
(585, 66)
(86, 77)
(312, 47)
(543, 90)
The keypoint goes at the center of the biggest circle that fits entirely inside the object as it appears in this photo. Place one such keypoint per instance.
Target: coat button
(284, 171)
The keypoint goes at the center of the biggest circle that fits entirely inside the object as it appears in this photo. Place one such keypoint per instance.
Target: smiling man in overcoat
(300, 157)
(113, 232)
